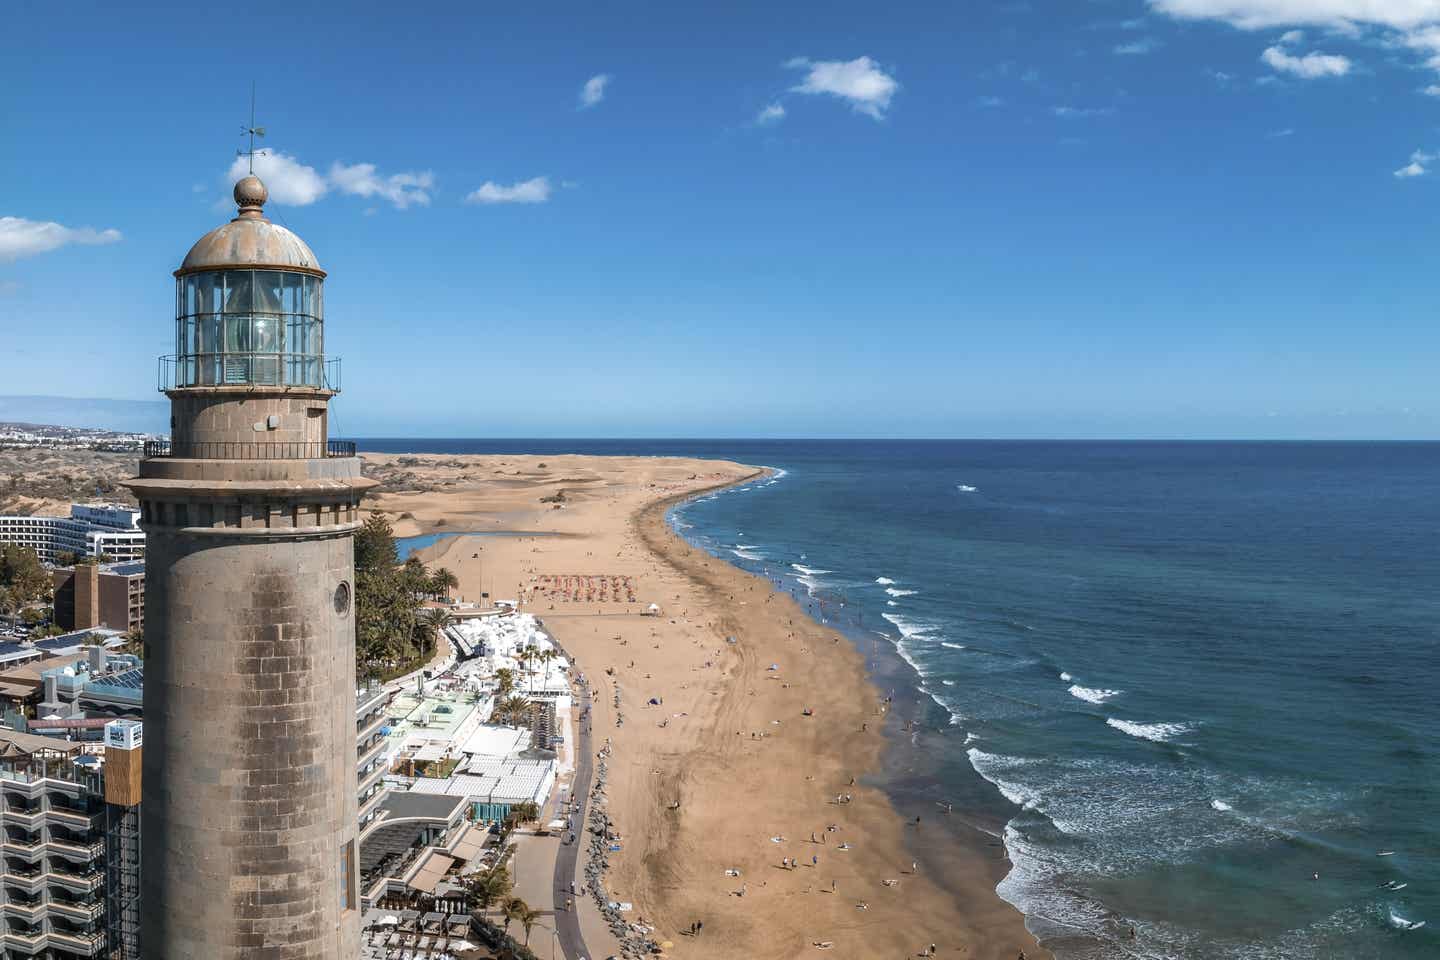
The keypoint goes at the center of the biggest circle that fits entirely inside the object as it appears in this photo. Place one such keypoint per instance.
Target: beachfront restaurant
(493, 786)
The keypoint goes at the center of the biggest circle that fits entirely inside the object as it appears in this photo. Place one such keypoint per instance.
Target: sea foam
(965, 488)
(952, 646)
(1158, 732)
(1066, 677)
(908, 628)
(1402, 923)
(1221, 805)
(896, 592)
(809, 571)
(884, 581)
(1092, 695)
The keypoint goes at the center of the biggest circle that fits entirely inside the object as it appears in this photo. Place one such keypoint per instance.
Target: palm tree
(489, 888)
(505, 677)
(527, 918)
(513, 709)
(530, 653)
(443, 581)
(435, 620)
(513, 910)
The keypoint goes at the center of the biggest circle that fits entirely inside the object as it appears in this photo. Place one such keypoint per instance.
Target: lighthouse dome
(250, 240)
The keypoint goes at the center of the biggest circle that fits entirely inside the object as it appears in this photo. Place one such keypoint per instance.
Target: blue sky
(1173, 218)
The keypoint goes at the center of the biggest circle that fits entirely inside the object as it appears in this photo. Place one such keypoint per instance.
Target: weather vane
(254, 132)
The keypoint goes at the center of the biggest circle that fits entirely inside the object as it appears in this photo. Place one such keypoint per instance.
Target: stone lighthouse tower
(248, 825)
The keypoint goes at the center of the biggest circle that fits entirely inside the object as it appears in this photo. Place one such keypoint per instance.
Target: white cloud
(990, 102)
(1433, 90)
(1292, 36)
(401, 189)
(1418, 166)
(859, 82)
(1082, 112)
(287, 180)
(292, 183)
(1259, 14)
(594, 90)
(1137, 47)
(1308, 66)
(772, 113)
(536, 190)
(1427, 41)
(27, 238)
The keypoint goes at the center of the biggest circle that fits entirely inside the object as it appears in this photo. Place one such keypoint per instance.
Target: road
(567, 922)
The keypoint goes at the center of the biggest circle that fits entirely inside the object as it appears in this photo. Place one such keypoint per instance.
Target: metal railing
(179, 371)
(247, 450)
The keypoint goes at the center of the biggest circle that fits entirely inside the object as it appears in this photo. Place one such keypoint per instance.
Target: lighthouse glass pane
(294, 292)
(237, 291)
(311, 302)
(266, 337)
(269, 291)
(237, 334)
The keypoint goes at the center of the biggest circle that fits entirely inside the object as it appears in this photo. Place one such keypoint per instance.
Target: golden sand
(728, 773)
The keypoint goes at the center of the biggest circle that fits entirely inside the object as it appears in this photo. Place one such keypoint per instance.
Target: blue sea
(1191, 685)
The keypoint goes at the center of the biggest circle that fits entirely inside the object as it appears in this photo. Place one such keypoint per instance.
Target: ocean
(1191, 685)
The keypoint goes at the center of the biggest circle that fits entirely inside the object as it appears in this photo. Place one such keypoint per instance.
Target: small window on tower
(347, 875)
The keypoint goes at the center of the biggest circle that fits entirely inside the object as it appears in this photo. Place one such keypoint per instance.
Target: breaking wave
(1092, 695)
(809, 571)
(1158, 732)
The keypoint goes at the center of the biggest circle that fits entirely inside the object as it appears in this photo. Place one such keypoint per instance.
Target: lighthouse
(248, 826)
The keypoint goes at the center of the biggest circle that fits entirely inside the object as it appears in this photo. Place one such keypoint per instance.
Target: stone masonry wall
(244, 418)
(249, 765)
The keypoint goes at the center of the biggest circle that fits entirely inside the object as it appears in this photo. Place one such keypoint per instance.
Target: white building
(92, 529)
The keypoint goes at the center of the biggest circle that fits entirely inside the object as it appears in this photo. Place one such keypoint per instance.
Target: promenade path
(567, 923)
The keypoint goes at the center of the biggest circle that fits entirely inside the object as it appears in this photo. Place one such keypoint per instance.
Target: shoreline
(974, 839)
(747, 770)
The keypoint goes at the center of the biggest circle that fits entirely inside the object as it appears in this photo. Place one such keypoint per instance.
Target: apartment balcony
(31, 911)
(81, 850)
(82, 942)
(26, 941)
(26, 878)
(371, 804)
(19, 805)
(85, 882)
(370, 728)
(368, 780)
(370, 698)
(71, 817)
(22, 851)
(80, 910)
(364, 754)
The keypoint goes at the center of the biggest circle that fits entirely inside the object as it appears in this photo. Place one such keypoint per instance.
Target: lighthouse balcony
(229, 369)
(250, 450)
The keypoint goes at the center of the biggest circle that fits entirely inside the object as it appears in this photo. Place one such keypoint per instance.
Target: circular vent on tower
(342, 598)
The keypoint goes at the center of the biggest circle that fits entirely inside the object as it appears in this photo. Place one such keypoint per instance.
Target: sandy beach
(741, 795)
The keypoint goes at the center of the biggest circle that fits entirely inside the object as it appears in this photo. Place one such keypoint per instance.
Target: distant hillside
(140, 416)
(48, 481)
